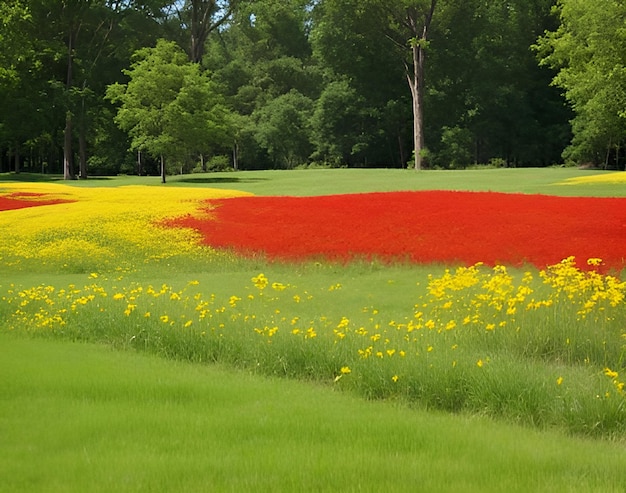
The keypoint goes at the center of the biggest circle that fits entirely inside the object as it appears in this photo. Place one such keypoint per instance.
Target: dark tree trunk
(17, 159)
(68, 158)
(419, 24)
(206, 16)
(82, 152)
(162, 169)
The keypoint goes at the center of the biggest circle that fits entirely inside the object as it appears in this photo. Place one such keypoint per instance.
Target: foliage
(282, 129)
(588, 50)
(331, 75)
(169, 108)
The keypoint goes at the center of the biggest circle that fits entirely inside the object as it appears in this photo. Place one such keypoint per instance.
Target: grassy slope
(127, 422)
(84, 418)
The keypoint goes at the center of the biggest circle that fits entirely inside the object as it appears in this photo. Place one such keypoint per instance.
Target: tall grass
(544, 349)
(78, 417)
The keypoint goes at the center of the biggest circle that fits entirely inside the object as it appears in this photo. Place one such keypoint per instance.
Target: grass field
(551, 181)
(78, 417)
(537, 408)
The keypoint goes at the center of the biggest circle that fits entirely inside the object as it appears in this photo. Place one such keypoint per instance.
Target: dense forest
(94, 87)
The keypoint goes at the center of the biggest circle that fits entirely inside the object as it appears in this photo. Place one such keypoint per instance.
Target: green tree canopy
(589, 50)
(170, 109)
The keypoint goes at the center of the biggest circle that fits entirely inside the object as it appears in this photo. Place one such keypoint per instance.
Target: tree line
(156, 86)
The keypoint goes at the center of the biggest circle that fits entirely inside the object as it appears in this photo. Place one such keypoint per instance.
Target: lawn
(80, 417)
(377, 367)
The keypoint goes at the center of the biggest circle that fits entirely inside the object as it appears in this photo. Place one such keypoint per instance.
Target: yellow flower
(480, 363)
(345, 370)
(164, 319)
(559, 380)
(260, 281)
(395, 378)
(610, 373)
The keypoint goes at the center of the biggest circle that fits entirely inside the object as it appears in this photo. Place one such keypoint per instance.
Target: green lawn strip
(79, 417)
(334, 181)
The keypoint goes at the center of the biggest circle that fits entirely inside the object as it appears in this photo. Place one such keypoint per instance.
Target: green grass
(360, 316)
(333, 181)
(77, 417)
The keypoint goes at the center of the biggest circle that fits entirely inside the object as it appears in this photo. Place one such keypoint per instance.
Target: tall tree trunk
(415, 80)
(68, 158)
(418, 22)
(82, 152)
(139, 162)
(82, 141)
(206, 16)
(68, 164)
(17, 158)
(162, 169)
(401, 150)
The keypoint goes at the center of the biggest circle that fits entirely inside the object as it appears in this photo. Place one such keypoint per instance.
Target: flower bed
(424, 227)
(21, 200)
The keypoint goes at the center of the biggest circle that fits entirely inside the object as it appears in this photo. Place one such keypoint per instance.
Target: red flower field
(21, 200)
(424, 227)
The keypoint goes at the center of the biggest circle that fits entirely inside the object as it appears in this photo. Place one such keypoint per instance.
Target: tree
(589, 51)
(16, 49)
(169, 108)
(353, 55)
(262, 61)
(409, 26)
(355, 38)
(336, 124)
(199, 18)
(66, 53)
(283, 128)
(487, 97)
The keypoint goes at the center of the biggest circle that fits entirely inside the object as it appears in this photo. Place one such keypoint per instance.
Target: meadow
(481, 351)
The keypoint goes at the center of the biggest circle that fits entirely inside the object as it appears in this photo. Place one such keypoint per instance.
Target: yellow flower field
(616, 177)
(102, 227)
